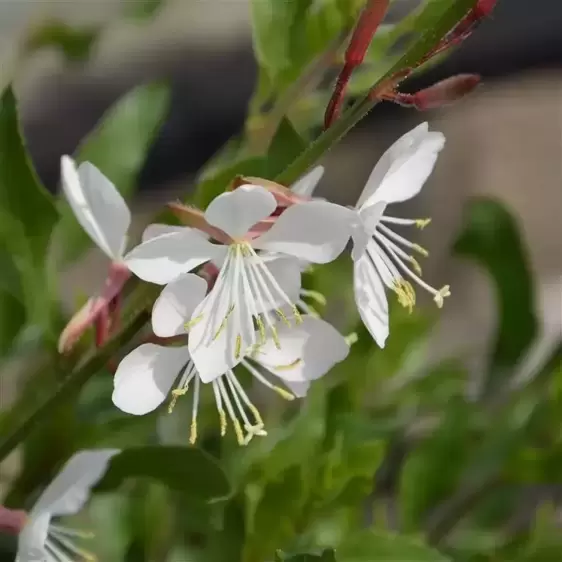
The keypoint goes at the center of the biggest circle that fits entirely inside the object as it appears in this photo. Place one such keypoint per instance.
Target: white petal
(299, 389)
(163, 259)
(176, 304)
(287, 272)
(306, 353)
(155, 230)
(32, 538)
(368, 218)
(404, 167)
(371, 300)
(99, 207)
(316, 231)
(235, 212)
(145, 377)
(215, 349)
(306, 185)
(69, 491)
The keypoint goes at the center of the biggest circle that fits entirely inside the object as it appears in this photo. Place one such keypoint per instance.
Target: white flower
(382, 257)
(305, 186)
(42, 541)
(98, 206)
(146, 376)
(246, 291)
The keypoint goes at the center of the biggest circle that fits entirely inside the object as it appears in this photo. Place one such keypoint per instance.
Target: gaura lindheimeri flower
(103, 214)
(246, 293)
(146, 376)
(381, 256)
(41, 540)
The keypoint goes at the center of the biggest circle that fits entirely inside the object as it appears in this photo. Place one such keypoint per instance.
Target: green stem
(72, 384)
(451, 13)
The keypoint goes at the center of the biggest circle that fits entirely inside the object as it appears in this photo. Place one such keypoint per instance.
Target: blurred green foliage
(375, 464)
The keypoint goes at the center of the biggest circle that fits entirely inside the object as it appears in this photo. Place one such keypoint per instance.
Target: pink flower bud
(445, 92)
(12, 521)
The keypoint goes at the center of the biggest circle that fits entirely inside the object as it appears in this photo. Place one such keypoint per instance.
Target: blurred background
(503, 141)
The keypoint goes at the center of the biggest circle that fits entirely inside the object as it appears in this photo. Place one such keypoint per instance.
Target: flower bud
(445, 92)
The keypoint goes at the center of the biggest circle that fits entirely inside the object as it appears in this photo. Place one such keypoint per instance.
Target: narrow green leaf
(75, 44)
(492, 239)
(22, 196)
(372, 546)
(183, 469)
(118, 147)
(326, 556)
(286, 145)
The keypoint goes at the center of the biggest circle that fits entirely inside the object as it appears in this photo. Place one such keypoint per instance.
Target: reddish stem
(369, 21)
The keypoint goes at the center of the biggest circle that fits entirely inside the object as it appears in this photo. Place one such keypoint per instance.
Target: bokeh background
(504, 140)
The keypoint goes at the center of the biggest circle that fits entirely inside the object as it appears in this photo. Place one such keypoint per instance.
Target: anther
(422, 223)
(284, 393)
(188, 325)
(420, 250)
(441, 294)
(193, 432)
(223, 422)
(289, 366)
(176, 393)
(239, 433)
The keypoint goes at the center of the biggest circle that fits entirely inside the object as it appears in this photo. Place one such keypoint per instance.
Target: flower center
(246, 302)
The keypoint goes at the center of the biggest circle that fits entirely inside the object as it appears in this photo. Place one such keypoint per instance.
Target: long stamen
(438, 294)
(401, 240)
(254, 372)
(419, 223)
(269, 276)
(70, 546)
(218, 402)
(246, 399)
(387, 242)
(194, 410)
(235, 421)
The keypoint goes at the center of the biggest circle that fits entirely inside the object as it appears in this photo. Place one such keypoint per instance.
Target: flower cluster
(232, 297)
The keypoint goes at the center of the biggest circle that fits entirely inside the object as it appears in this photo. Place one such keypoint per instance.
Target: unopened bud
(445, 92)
(12, 521)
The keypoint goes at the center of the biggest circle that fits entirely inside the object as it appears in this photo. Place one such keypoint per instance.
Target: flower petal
(32, 538)
(163, 259)
(306, 185)
(235, 212)
(316, 231)
(69, 491)
(145, 377)
(299, 389)
(371, 300)
(306, 353)
(287, 272)
(224, 333)
(404, 167)
(176, 304)
(98, 206)
(155, 230)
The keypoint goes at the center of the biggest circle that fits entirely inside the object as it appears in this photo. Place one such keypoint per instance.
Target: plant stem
(72, 384)
(452, 12)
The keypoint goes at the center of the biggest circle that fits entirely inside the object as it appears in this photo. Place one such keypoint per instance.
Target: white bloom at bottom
(42, 541)
(148, 374)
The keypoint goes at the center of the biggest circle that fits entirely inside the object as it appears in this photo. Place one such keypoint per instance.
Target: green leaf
(433, 470)
(182, 469)
(286, 145)
(118, 147)
(492, 239)
(75, 44)
(326, 556)
(209, 188)
(142, 9)
(22, 196)
(372, 546)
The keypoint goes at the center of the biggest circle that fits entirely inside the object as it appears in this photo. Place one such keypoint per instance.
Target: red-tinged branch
(369, 21)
